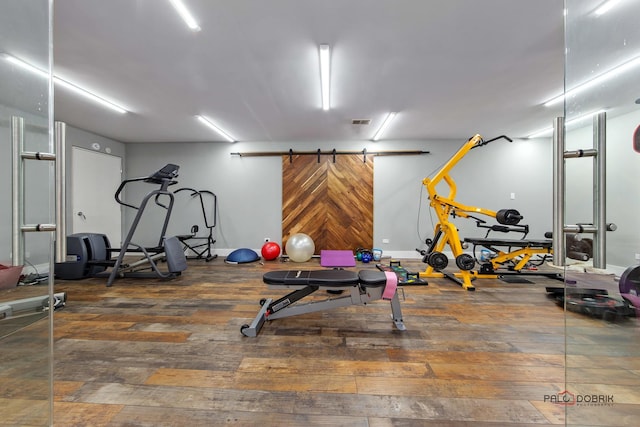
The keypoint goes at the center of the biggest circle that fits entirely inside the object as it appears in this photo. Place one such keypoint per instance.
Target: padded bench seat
(326, 278)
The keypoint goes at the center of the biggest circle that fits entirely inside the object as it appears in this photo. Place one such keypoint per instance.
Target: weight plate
(438, 260)
(508, 216)
(465, 262)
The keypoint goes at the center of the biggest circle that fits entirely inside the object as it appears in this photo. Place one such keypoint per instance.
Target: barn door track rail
(333, 153)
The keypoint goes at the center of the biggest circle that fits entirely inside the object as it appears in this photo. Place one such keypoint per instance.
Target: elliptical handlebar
(199, 193)
(165, 177)
(485, 142)
(121, 187)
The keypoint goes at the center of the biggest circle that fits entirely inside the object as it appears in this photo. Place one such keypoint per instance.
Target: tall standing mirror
(26, 191)
(602, 63)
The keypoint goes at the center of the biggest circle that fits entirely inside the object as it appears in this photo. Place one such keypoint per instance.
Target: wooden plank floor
(170, 353)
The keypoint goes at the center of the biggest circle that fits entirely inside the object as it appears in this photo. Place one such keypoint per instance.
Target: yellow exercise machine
(513, 254)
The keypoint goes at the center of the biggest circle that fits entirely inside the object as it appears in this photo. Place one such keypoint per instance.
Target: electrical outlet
(637, 257)
(266, 239)
(385, 240)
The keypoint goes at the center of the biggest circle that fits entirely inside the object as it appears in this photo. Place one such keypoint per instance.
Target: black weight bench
(511, 243)
(363, 287)
(519, 257)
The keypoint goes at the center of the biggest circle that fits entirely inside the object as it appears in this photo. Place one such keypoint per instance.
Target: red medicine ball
(270, 251)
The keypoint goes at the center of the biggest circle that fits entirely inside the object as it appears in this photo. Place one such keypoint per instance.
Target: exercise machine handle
(485, 142)
(199, 193)
(121, 187)
(165, 177)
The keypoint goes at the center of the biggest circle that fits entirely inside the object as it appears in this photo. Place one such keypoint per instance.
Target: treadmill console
(167, 173)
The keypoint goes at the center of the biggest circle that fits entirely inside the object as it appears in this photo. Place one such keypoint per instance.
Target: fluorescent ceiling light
(540, 133)
(384, 126)
(210, 124)
(606, 6)
(186, 16)
(614, 72)
(546, 131)
(325, 74)
(77, 89)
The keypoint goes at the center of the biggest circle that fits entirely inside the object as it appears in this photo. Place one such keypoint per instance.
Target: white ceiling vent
(361, 121)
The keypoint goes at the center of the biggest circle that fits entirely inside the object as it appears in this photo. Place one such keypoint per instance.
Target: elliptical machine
(91, 253)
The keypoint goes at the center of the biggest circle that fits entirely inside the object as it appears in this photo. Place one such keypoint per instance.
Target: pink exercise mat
(337, 258)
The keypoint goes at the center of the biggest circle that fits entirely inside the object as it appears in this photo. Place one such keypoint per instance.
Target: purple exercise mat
(337, 258)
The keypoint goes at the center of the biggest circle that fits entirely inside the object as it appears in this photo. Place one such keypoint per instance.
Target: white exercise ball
(300, 247)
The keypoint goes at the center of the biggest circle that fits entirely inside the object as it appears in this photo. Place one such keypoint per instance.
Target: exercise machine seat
(325, 278)
(520, 243)
(372, 278)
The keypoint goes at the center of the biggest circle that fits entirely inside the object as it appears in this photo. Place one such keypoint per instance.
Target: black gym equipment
(579, 248)
(591, 302)
(363, 287)
(601, 306)
(90, 254)
(201, 245)
(86, 253)
(599, 302)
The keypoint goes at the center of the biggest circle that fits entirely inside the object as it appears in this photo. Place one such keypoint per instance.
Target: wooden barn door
(331, 202)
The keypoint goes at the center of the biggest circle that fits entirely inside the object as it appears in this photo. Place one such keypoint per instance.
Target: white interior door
(95, 179)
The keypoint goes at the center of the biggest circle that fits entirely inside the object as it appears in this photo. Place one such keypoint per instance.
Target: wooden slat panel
(304, 190)
(331, 202)
(349, 203)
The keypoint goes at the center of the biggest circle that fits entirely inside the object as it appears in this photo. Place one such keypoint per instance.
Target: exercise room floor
(154, 353)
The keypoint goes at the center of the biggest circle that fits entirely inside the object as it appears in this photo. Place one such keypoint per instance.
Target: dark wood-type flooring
(170, 353)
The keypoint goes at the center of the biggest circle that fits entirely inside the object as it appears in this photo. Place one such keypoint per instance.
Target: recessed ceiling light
(606, 7)
(186, 16)
(384, 126)
(216, 128)
(612, 73)
(67, 84)
(546, 131)
(325, 74)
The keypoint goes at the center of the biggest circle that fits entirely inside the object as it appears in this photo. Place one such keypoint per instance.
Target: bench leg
(396, 312)
(355, 298)
(253, 329)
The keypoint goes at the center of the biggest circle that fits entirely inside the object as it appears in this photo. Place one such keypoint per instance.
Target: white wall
(250, 200)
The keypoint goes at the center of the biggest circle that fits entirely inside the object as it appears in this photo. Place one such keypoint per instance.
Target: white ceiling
(450, 68)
